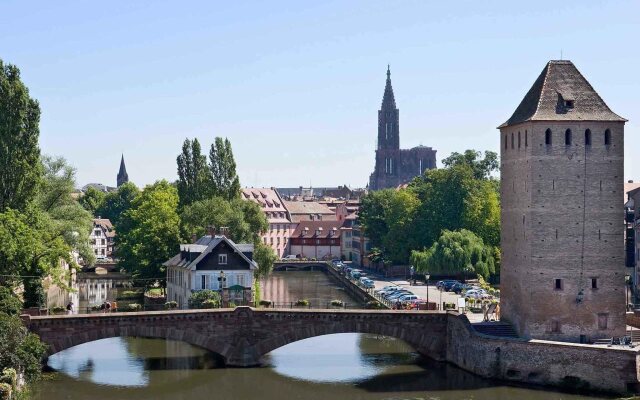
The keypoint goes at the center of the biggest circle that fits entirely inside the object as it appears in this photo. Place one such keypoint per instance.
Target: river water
(342, 366)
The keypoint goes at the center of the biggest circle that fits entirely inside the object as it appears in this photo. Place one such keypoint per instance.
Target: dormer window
(568, 103)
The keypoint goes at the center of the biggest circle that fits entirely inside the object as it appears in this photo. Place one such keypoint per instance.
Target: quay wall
(539, 362)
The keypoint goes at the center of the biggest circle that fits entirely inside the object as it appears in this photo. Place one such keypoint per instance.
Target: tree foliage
(264, 256)
(456, 253)
(460, 196)
(481, 167)
(92, 200)
(149, 232)
(224, 179)
(116, 203)
(20, 168)
(194, 181)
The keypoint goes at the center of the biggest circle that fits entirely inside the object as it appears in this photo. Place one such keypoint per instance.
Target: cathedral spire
(123, 177)
(388, 100)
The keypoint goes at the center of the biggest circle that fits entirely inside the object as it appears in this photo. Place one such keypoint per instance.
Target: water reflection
(344, 366)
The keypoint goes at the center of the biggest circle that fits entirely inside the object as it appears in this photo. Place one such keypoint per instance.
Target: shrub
(9, 376)
(374, 305)
(302, 303)
(198, 298)
(5, 391)
(337, 303)
(170, 305)
(95, 307)
(135, 307)
(232, 304)
(130, 294)
(9, 303)
(58, 310)
(210, 303)
(265, 303)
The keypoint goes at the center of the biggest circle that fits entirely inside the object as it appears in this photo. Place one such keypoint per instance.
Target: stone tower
(393, 165)
(123, 177)
(562, 157)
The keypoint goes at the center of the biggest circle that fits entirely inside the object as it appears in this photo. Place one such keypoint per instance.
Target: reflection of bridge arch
(299, 266)
(242, 336)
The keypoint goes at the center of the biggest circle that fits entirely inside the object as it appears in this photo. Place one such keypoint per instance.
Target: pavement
(423, 291)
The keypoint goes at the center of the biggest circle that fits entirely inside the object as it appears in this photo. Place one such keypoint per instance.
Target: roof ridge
(544, 83)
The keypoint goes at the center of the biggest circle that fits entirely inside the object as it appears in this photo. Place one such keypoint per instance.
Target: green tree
(20, 168)
(264, 256)
(92, 200)
(9, 302)
(33, 242)
(116, 203)
(456, 253)
(481, 167)
(224, 179)
(148, 233)
(194, 181)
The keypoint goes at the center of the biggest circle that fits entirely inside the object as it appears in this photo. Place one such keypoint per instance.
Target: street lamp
(221, 280)
(426, 278)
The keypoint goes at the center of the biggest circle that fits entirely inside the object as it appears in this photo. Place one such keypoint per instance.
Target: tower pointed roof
(123, 177)
(561, 93)
(388, 100)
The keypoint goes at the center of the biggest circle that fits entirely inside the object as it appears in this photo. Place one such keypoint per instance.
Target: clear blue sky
(296, 85)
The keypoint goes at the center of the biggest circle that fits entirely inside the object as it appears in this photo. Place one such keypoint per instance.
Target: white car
(407, 297)
(388, 289)
(477, 294)
(290, 257)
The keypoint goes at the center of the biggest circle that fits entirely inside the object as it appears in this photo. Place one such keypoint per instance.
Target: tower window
(555, 326)
(587, 137)
(547, 137)
(602, 321)
(567, 137)
(511, 140)
(594, 283)
(506, 142)
(526, 138)
(568, 103)
(607, 137)
(558, 284)
(518, 139)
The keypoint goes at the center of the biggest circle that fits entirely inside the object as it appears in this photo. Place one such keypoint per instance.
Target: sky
(296, 85)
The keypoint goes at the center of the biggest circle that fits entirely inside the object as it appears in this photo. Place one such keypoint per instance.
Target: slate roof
(559, 82)
(204, 246)
(326, 227)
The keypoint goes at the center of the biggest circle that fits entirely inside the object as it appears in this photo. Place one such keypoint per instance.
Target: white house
(213, 262)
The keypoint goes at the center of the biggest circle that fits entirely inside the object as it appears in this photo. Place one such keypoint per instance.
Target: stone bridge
(243, 335)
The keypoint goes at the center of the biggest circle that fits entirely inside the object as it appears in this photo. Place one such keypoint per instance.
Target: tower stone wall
(562, 275)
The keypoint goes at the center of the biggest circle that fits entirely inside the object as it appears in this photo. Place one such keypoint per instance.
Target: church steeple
(123, 177)
(388, 118)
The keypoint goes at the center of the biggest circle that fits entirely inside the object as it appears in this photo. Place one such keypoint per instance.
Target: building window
(547, 137)
(602, 321)
(567, 137)
(518, 139)
(506, 142)
(587, 137)
(594, 283)
(203, 282)
(96, 232)
(558, 284)
(555, 327)
(526, 138)
(222, 259)
(512, 140)
(607, 137)
(102, 252)
(568, 103)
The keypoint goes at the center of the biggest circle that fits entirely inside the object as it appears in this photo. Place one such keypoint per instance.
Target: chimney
(194, 238)
(224, 230)
(211, 230)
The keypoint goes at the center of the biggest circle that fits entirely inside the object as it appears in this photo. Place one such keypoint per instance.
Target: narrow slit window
(594, 283)
(512, 140)
(518, 139)
(547, 137)
(506, 142)
(607, 137)
(567, 137)
(587, 137)
(526, 138)
(558, 284)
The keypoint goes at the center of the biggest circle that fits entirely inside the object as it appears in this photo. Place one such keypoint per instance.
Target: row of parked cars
(396, 294)
(357, 275)
(468, 291)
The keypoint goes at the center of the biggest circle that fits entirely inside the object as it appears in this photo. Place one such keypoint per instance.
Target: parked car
(369, 284)
(388, 289)
(441, 284)
(477, 294)
(290, 257)
(448, 285)
(408, 297)
(397, 294)
(460, 287)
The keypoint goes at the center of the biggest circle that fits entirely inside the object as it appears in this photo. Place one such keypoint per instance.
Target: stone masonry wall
(540, 362)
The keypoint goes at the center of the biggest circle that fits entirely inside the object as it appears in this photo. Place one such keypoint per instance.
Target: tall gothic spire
(388, 100)
(123, 177)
